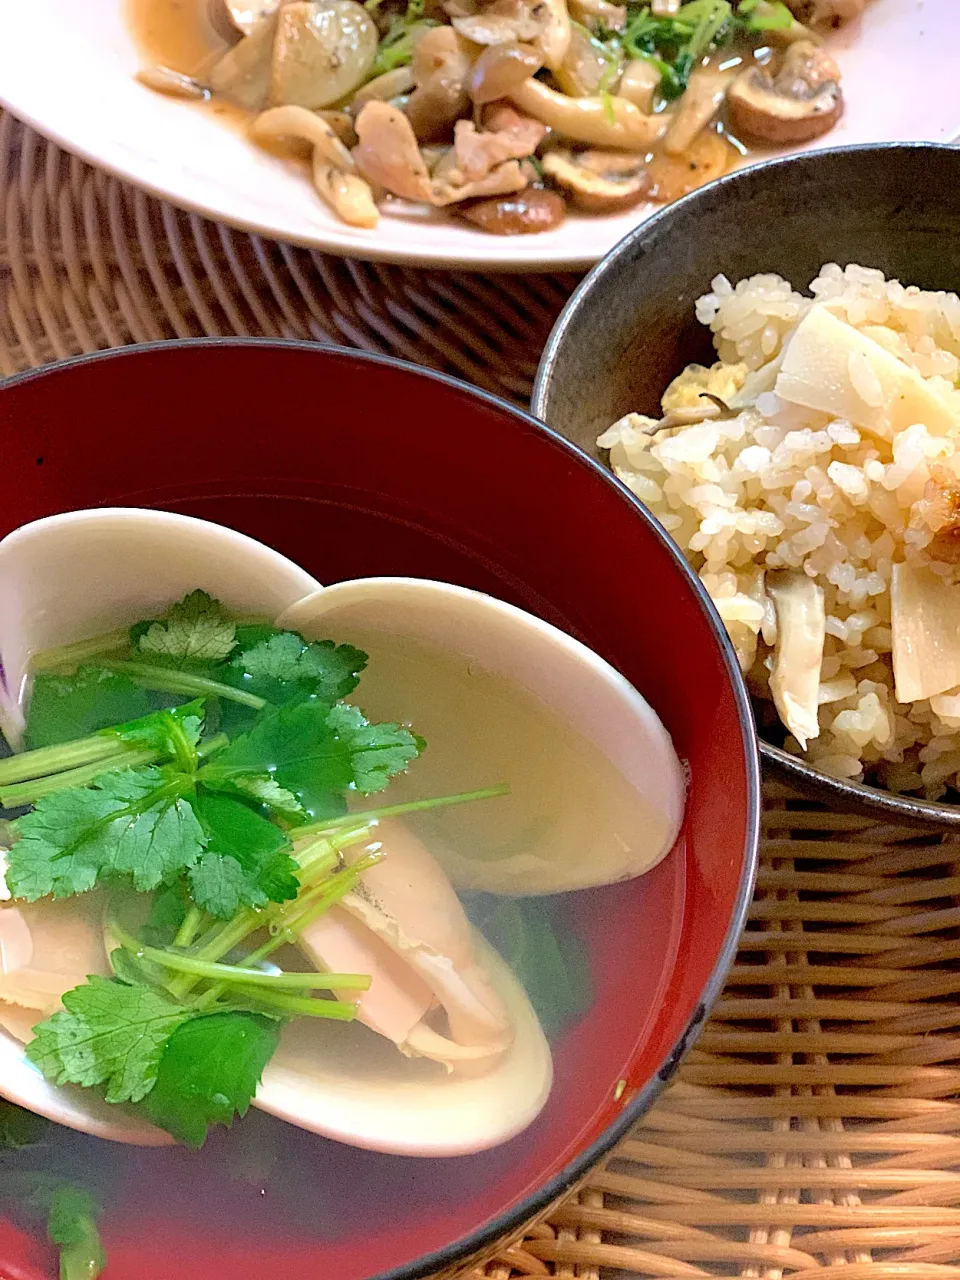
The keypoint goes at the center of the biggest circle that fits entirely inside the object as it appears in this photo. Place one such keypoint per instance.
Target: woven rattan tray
(815, 1128)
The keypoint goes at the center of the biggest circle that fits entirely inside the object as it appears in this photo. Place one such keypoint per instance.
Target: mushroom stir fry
(509, 112)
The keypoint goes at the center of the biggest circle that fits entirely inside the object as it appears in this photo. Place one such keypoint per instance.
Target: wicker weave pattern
(815, 1128)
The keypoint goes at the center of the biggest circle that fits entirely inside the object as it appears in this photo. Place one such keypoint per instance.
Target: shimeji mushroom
(500, 69)
(801, 102)
(334, 171)
(604, 120)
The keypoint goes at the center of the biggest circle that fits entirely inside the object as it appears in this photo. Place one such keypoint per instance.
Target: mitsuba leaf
(174, 732)
(133, 822)
(377, 751)
(209, 1072)
(318, 753)
(64, 708)
(193, 633)
(72, 1224)
(247, 861)
(108, 1033)
(259, 788)
(284, 668)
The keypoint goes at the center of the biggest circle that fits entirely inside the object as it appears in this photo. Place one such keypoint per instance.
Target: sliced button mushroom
(500, 69)
(601, 121)
(322, 52)
(387, 154)
(802, 102)
(334, 172)
(708, 157)
(496, 23)
(526, 213)
(599, 181)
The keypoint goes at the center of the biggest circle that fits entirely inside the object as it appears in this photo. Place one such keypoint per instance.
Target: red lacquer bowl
(354, 465)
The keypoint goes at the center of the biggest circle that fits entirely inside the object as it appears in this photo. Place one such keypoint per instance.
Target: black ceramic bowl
(630, 327)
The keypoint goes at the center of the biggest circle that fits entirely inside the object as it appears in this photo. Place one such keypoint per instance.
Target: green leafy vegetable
(107, 1033)
(174, 733)
(268, 792)
(170, 800)
(284, 668)
(246, 862)
(64, 708)
(193, 633)
(71, 1216)
(396, 47)
(72, 1224)
(318, 753)
(209, 1072)
(677, 45)
(135, 822)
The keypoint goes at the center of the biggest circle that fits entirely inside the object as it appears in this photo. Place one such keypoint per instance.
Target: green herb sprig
(206, 762)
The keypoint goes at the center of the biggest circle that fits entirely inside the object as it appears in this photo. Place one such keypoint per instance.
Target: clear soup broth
(580, 956)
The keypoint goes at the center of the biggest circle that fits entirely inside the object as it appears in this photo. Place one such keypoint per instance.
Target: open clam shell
(47, 948)
(484, 634)
(72, 576)
(350, 1084)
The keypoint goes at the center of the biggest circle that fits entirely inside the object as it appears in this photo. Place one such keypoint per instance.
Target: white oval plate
(67, 68)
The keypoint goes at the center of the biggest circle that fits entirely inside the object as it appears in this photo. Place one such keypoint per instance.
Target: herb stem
(332, 825)
(304, 1006)
(167, 680)
(222, 938)
(190, 927)
(71, 655)
(287, 926)
(66, 755)
(30, 792)
(232, 975)
(211, 745)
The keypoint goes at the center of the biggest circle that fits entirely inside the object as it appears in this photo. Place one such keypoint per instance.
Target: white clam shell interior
(358, 1088)
(561, 673)
(73, 576)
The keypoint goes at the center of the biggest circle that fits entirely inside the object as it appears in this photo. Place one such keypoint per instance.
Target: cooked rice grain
(775, 486)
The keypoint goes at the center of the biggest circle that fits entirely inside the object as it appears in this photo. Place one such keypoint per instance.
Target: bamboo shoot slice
(925, 620)
(801, 631)
(830, 366)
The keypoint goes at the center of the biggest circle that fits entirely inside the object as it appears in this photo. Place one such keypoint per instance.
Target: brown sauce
(180, 34)
(175, 34)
